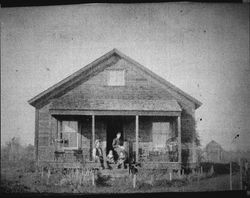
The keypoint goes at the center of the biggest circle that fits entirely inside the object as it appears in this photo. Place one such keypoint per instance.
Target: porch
(151, 138)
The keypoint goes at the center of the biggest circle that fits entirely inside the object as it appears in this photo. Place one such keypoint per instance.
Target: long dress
(117, 143)
(98, 156)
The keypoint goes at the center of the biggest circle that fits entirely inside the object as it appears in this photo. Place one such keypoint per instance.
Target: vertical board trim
(136, 137)
(36, 133)
(93, 132)
(179, 137)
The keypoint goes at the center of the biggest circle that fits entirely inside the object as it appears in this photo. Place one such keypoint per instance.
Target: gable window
(69, 134)
(160, 132)
(116, 77)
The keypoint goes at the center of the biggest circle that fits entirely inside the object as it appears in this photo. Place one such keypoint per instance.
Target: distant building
(213, 152)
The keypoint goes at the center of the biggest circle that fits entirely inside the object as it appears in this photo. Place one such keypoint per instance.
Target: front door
(114, 125)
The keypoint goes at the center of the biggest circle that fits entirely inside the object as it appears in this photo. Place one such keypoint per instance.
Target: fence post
(231, 186)
(240, 173)
(93, 178)
(134, 180)
(212, 170)
(152, 180)
(42, 172)
(48, 176)
(77, 176)
(199, 174)
(179, 173)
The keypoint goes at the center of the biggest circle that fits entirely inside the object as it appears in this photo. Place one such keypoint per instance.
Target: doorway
(114, 125)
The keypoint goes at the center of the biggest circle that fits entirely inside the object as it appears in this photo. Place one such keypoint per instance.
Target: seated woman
(98, 154)
(110, 159)
(121, 158)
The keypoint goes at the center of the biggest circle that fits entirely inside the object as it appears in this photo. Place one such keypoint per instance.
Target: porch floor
(93, 165)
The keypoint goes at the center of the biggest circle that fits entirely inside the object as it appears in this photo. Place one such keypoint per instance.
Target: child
(110, 159)
(121, 159)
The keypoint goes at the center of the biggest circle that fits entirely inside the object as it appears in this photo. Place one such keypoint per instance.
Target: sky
(201, 48)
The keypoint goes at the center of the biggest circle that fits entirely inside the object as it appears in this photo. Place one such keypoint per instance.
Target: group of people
(117, 157)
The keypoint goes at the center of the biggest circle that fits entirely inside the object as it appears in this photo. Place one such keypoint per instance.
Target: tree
(13, 154)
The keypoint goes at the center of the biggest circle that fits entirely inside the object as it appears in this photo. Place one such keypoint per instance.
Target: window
(69, 134)
(116, 78)
(161, 132)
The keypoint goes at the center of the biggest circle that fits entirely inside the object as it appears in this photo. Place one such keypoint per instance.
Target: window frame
(109, 78)
(61, 135)
(160, 133)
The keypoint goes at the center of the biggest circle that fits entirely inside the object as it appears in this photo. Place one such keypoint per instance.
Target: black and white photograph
(106, 98)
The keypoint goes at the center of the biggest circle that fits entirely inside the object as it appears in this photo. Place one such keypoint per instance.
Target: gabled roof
(85, 73)
(213, 144)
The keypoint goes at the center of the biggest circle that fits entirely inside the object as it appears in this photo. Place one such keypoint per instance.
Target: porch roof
(116, 105)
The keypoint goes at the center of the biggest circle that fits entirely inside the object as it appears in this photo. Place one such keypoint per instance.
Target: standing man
(117, 144)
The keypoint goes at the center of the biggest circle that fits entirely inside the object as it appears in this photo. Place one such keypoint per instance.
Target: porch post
(57, 134)
(93, 133)
(136, 138)
(179, 137)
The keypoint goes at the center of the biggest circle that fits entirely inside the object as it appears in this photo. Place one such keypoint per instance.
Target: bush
(13, 187)
(219, 168)
(102, 180)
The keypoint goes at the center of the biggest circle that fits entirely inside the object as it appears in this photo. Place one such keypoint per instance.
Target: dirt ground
(19, 181)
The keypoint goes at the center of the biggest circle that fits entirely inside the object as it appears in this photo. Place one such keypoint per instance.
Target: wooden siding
(45, 148)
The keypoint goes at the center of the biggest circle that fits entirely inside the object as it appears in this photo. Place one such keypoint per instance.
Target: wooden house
(115, 94)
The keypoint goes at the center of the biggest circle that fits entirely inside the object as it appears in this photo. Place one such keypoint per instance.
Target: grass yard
(15, 180)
